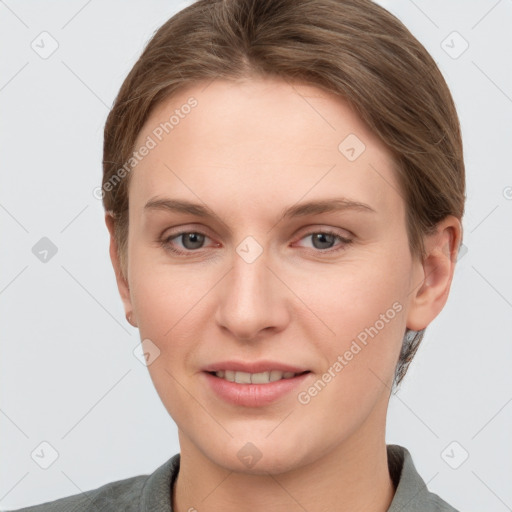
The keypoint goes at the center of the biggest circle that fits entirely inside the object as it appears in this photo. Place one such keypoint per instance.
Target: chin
(260, 456)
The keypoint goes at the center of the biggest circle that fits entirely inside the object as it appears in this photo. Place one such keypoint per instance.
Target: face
(295, 258)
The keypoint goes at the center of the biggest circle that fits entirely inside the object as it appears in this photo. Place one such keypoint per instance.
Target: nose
(252, 300)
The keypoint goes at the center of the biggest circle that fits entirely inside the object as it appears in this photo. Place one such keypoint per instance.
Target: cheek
(368, 318)
(363, 305)
(166, 316)
(159, 291)
(349, 297)
(164, 304)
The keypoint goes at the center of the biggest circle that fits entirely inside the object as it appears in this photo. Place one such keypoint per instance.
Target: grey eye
(320, 239)
(192, 240)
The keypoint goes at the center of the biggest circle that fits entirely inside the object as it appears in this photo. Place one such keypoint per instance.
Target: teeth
(242, 378)
(254, 378)
(259, 378)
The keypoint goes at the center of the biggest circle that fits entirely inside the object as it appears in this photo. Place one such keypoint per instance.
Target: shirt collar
(411, 494)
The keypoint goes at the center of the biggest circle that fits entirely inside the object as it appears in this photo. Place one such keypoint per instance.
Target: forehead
(261, 142)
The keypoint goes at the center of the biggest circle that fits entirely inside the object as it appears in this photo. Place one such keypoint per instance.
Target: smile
(253, 389)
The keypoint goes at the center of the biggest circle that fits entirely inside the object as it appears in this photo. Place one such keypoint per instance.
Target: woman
(284, 187)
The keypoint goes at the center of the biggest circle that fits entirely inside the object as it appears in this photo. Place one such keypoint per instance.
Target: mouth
(258, 389)
(265, 377)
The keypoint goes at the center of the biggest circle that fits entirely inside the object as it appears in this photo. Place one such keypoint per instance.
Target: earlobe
(129, 319)
(122, 282)
(431, 291)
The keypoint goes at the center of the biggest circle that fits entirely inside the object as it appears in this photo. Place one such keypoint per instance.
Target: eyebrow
(297, 210)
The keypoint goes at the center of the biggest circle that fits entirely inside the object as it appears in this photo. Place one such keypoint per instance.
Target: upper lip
(253, 367)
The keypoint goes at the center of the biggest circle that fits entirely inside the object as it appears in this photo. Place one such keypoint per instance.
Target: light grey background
(68, 373)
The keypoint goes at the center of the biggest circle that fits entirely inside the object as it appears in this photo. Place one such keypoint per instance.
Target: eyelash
(165, 242)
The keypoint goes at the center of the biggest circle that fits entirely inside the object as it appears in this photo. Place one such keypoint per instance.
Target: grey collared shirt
(152, 493)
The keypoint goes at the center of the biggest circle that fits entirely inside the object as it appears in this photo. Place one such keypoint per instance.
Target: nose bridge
(250, 299)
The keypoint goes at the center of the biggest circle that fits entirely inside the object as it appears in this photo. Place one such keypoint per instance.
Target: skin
(248, 150)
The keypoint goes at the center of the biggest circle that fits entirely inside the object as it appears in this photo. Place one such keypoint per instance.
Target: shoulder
(412, 493)
(119, 495)
(130, 495)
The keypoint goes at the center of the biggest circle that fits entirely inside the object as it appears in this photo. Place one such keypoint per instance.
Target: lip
(253, 367)
(252, 395)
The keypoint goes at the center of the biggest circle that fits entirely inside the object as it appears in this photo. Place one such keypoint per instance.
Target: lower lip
(253, 395)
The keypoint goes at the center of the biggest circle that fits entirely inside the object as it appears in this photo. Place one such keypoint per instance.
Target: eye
(191, 241)
(323, 240)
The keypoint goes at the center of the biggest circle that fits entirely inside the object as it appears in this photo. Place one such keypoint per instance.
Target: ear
(433, 276)
(122, 283)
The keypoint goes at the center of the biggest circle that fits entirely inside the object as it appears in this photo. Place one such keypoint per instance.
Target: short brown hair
(354, 48)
